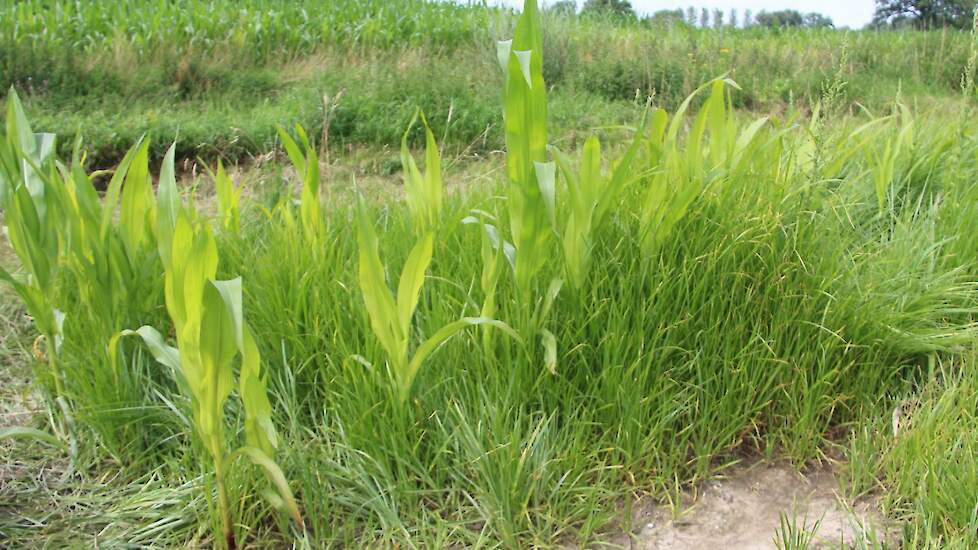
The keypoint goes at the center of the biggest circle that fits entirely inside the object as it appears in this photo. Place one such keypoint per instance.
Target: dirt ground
(744, 511)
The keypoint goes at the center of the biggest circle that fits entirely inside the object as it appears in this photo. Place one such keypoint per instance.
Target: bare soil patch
(743, 511)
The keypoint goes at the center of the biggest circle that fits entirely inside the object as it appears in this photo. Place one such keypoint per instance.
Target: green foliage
(390, 315)
(207, 316)
(191, 73)
(32, 434)
(925, 14)
(716, 150)
(424, 192)
(31, 209)
(931, 463)
(228, 198)
(792, 18)
(922, 452)
(590, 197)
(739, 287)
(889, 152)
(263, 31)
(531, 176)
(306, 164)
(608, 8)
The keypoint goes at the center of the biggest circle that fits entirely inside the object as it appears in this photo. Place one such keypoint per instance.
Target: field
(349, 274)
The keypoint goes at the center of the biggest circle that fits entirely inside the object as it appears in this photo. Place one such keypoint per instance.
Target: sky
(845, 13)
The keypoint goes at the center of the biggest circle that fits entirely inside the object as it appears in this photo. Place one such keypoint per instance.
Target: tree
(691, 16)
(704, 18)
(924, 14)
(667, 18)
(616, 8)
(748, 18)
(717, 18)
(817, 21)
(733, 17)
(564, 7)
(792, 18)
(780, 19)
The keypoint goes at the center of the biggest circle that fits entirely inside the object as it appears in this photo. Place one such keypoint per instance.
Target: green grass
(925, 470)
(753, 288)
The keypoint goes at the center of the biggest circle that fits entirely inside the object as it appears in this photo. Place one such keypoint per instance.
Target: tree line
(703, 17)
(922, 14)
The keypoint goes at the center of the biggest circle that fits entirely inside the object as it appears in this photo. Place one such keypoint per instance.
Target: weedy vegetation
(737, 285)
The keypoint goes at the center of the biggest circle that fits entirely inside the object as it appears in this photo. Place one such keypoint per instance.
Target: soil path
(743, 511)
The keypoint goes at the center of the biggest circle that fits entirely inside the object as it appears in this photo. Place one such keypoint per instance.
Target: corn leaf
(168, 204)
(441, 336)
(412, 279)
(277, 477)
(380, 305)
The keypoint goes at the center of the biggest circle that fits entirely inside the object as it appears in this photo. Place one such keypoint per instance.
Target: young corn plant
(678, 175)
(390, 314)
(211, 332)
(107, 271)
(306, 164)
(531, 195)
(228, 197)
(496, 253)
(31, 209)
(885, 158)
(424, 191)
(590, 195)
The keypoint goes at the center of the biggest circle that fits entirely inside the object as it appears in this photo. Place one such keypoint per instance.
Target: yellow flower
(724, 51)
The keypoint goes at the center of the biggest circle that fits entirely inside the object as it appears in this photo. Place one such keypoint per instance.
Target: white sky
(845, 13)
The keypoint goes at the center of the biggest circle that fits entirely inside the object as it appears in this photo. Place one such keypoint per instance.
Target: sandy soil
(743, 511)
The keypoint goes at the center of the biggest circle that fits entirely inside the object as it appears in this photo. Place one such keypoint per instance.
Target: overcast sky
(845, 13)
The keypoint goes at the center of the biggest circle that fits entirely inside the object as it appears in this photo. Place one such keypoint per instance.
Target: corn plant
(390, 314)
(531, 196)
(590, 195)
(137, 206)
(31, 212)
(679, 174)
(306, 164)
(424, 191)
(211, 332)
(110, 255)
(496, 253)
(893, 148)
(228, 197)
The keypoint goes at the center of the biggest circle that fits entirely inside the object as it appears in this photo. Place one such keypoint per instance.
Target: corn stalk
(531, 195)
(210, 332)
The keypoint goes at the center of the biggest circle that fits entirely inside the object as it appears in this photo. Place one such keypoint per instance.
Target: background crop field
(373, 312)
(220, 75)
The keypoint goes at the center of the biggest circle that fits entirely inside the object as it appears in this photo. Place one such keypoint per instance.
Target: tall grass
(738, 285)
